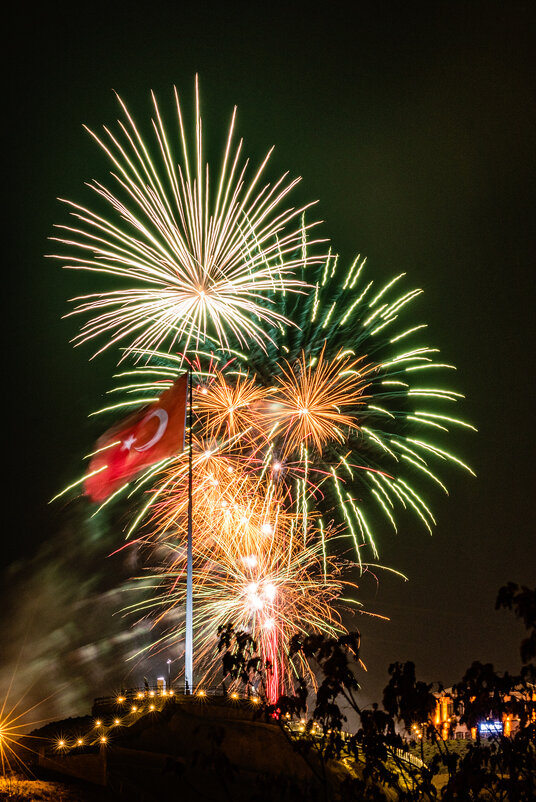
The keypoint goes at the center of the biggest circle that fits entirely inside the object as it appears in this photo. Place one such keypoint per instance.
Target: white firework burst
(199, 262)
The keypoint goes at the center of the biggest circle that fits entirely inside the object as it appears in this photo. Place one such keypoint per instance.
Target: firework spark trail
(206, 262)
(271, 587)
(309, 396)
(324, 427)
(338, 428)
(312, 419)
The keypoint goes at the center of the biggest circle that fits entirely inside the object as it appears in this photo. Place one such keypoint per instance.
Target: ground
(17, 788)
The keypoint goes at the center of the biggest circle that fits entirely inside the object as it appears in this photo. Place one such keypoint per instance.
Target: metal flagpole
(188, 639)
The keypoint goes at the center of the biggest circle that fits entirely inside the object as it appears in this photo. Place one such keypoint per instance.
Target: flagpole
(188, 639)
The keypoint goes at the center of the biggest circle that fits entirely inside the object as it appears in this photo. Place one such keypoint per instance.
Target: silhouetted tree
(372, 763)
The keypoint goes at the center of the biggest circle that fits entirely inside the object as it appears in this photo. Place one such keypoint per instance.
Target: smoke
(64, 638)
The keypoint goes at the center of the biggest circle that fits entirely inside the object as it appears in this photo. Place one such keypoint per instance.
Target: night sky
(415, 130)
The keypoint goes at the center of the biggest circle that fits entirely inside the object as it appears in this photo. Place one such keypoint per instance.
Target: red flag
(151, 434)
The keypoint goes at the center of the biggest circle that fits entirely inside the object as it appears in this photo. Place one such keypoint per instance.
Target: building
(447, 714)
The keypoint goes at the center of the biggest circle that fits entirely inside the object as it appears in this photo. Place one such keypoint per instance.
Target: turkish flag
(149, 435)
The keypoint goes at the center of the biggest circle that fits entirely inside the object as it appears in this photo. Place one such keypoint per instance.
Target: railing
(178, 692)
(409, 758)
(401, 754)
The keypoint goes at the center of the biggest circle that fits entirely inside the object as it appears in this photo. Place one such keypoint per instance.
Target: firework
(229, 500)
(198, 260)
(336, 414)
(313, 417)
(307, 402)
(15, 742)
(232, 407)
(287, 450)
(269, 585)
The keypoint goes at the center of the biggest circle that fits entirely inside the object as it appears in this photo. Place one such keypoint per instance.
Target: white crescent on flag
(162, 416)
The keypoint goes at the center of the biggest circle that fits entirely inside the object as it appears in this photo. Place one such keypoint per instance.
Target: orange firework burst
(310, 396)
(230, 501)
(230, 407)
(15, 743)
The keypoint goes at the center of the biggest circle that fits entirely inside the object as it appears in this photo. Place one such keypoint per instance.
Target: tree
(373, 762)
